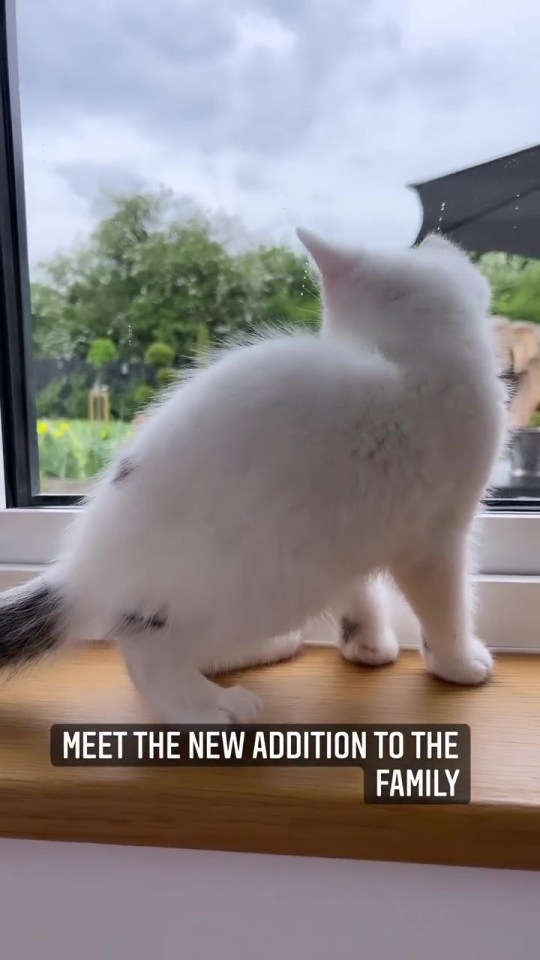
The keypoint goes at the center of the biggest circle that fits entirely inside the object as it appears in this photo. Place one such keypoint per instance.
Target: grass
(77, 449)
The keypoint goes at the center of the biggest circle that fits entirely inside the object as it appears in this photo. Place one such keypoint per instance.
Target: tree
(281, 287)
(51, 331)
(102, 351)
(157, 270)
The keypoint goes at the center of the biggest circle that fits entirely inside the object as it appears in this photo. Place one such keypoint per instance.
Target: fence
(48, 371)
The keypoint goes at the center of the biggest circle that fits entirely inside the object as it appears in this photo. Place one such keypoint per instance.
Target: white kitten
(278, 481)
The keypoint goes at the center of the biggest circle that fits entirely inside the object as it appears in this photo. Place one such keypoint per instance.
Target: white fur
(276, 482)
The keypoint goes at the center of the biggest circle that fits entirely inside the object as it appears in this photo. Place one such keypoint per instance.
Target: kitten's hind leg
(174, 690)
(365, 634)
(439, 592)
(260, 654)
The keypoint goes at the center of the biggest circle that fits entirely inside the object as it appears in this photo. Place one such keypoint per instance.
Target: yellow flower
(42, 427)
(63, 427)
(57, 434)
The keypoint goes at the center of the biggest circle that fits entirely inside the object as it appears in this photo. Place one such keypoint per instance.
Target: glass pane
(171, 148)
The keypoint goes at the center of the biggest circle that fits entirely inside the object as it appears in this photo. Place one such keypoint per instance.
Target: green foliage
(64, 397)
(166, 376)
(203, 339)
(281, 287)
(143, 396)
(155, 282)
(51, 328)
(159, 355)
(76, 397)
(535, 419)
(102, 351)
(49, 402)
(77, 449)
(155, 271)
(124, 402)
(515, 282)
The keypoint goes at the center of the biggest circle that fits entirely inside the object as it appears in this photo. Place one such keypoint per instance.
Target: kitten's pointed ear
(332, 262)
(438, 241)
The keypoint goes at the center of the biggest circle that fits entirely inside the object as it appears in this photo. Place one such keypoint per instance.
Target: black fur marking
(349, 629)
(125, 469)
(425, 644)
(30, 623)
(136, 623)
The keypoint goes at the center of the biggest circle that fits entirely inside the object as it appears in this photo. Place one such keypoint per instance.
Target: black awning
(493, 206)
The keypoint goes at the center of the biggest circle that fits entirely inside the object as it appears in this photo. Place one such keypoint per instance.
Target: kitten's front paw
(232, 705)
(363, 645)
(472, 666)
(238, 705)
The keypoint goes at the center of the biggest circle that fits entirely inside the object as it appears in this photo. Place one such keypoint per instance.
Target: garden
(156, 284)
(76, 450)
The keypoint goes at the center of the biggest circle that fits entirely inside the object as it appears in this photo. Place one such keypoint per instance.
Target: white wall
(82, 902)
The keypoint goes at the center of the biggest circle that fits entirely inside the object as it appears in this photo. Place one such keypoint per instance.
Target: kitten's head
(372, 293)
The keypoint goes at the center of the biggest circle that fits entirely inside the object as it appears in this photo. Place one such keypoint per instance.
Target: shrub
(144, 395)
(102, 351)
(166, 376)
(159, 354)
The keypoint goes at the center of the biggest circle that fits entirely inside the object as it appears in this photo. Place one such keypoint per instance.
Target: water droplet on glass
(443, 204)
(516, 207)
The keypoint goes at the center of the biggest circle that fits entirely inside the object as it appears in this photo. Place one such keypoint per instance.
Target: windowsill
(302, 811)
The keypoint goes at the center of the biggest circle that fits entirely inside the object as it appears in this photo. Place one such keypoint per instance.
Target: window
(154, 160)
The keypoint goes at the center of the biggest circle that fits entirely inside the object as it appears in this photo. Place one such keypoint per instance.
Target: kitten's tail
(33, 622)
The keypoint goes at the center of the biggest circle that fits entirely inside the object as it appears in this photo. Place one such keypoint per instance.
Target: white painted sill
(508, 586)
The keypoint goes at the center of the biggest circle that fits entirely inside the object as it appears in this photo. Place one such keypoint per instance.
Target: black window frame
(17, 385)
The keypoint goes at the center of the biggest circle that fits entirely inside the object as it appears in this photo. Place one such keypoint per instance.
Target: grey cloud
(179, 71)
(444, 75)
(172, 67)
(296, 91)
(90, 180)
(250, 176)
(155, 63)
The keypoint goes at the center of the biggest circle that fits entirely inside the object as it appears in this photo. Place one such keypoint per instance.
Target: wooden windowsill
(302, 811)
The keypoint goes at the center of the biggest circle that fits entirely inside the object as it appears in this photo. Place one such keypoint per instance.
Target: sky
(279, 112)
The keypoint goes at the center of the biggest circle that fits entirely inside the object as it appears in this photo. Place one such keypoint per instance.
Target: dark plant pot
(525, 453)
